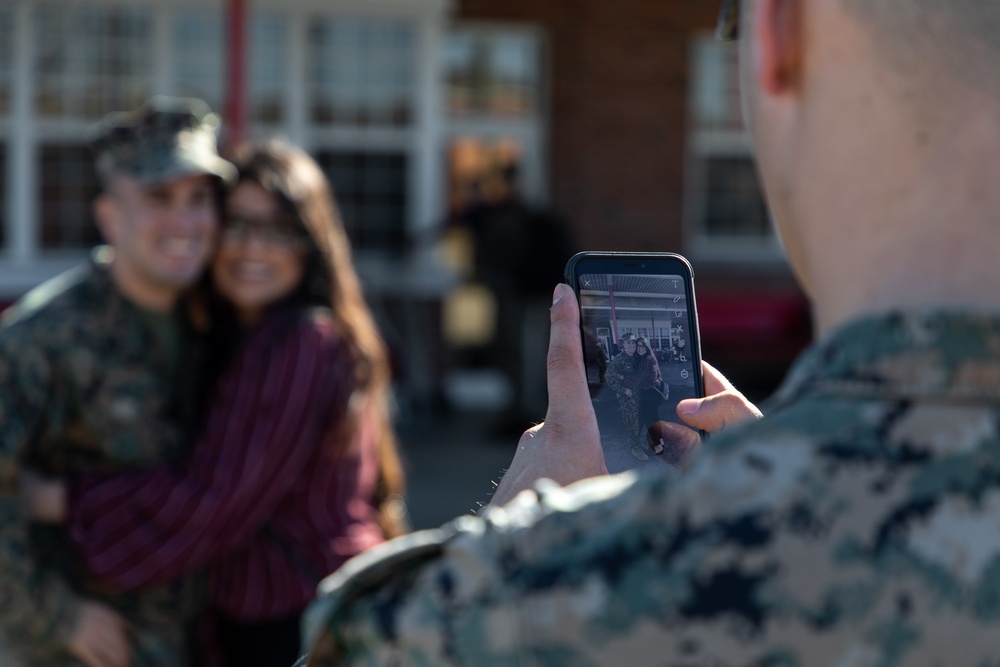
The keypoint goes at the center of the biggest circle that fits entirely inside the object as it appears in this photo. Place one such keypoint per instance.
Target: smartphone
(642, 354)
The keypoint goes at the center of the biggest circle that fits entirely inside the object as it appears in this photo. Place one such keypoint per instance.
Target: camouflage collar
(114, 305)
(939, 356)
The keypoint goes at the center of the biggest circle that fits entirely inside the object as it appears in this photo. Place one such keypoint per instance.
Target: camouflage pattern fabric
(165, 138)
(619, 376)
(88, 389)
(857, 524)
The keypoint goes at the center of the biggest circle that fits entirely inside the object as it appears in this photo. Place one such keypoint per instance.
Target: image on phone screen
(642, 358)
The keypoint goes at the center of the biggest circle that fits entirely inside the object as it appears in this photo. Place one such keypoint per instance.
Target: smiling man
(858, 522)
(98, 376)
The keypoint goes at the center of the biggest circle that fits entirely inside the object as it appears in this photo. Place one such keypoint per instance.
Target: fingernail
(689, 407)
(559, 293)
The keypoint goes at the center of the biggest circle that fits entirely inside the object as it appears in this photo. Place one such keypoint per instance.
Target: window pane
(715, 86)
(91, 60)
(199, 42)
(268, 76)
(361, 72)
(735, 206)
(371, 193)
(492, 72)
(3, 197)
(6, 57)
(68, 186)
(723, 190)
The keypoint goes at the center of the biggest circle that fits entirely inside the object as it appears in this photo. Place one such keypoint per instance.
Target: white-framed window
(361, 72)
(269, 66)
(87, 61)
(6, 85)
(350, 82)
(495, 110)
(197, 49)
(726, 216)
(360, 105)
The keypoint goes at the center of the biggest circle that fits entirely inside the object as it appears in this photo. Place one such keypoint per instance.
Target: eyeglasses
(281, 231)
(728, 28)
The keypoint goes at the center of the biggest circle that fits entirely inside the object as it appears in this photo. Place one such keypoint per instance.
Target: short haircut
(959, 39)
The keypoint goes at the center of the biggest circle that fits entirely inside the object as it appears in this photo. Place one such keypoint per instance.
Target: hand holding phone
(567, 446)
(642, 354)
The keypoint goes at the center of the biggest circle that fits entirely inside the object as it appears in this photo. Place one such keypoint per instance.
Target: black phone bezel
(642, 263)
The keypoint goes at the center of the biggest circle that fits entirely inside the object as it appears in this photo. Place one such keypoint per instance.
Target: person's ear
(106, 217)
(778, 32)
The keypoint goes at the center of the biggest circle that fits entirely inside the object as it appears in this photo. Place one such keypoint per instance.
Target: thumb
(717, 412)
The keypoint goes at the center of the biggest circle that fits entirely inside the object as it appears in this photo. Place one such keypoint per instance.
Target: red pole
(236, 116)
(614, 314)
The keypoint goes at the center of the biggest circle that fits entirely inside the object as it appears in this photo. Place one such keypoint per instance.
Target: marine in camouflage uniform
(94, 385)
(621, 368)
(856, 524)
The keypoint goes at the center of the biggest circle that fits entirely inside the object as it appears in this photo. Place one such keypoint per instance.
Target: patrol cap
(165, 138)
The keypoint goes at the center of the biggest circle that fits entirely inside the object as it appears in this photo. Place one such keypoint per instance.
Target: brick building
(647, 151)
(622, 116)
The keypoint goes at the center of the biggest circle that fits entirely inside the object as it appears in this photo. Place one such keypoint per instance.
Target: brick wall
(617, 111)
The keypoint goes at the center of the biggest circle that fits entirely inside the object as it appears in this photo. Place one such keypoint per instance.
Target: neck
(920, 229)
(158, 299)
(248, 316)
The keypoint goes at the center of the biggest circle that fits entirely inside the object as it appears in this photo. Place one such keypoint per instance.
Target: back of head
(951, 41)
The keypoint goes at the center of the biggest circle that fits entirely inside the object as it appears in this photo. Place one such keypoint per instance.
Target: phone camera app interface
(640, 361)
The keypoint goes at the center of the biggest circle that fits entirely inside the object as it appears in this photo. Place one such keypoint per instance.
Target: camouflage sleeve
(37, 611)
(452, 596)
(614, 377)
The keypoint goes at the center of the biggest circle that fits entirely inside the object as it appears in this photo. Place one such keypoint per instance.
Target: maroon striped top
(261, 503)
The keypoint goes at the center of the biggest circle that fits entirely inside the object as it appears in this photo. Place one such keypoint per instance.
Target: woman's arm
(266, 419)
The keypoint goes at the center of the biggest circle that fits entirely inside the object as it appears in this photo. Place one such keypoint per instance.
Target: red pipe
(614, 313)
(236, 115)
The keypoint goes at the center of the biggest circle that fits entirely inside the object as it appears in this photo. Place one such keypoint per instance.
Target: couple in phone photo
(634, 375)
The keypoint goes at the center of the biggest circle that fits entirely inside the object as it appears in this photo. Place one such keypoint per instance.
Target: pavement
(453, 460)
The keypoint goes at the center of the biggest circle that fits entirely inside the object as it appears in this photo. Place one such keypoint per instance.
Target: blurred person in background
(519, 251)
(296, 467)
(99, 371)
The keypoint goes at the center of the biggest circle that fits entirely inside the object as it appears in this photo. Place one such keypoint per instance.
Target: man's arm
(265, 422)
(38, 611)
(613, 376)
(475, 592)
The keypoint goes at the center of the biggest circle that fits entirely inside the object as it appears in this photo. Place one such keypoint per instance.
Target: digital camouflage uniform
(91, 385)
(616, 377)
(857, 524)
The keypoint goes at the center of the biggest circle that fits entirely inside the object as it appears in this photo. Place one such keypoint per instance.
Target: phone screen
(642, 354)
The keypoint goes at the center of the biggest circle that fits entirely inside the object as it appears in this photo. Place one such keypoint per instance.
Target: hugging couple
(196, 425)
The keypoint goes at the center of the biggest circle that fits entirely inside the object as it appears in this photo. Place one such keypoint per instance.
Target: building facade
(622, 116)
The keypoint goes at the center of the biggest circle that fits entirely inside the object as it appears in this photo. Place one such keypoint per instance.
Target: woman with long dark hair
(647, 383)
(296, 468)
